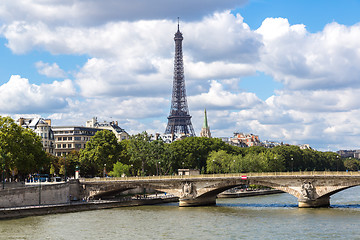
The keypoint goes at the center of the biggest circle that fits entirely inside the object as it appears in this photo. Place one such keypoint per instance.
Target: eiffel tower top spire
(178, 34)
(179, 120)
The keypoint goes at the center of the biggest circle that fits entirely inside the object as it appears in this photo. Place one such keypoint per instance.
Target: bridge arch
(311, 189)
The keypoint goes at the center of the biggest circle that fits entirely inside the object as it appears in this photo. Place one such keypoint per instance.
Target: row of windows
(69, 145)
(43, 128)
(71, 138)
(91, 133)
(43, 135)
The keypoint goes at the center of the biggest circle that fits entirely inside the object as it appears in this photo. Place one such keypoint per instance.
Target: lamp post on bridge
(65, 166)
(3, 169)
(159, 168)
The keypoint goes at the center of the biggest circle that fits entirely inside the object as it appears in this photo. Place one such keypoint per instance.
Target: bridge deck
(229, 175)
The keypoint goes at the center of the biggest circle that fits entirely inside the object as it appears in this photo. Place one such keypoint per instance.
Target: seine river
(262, 217)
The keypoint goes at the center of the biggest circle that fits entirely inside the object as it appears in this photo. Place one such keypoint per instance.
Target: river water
(262, 217)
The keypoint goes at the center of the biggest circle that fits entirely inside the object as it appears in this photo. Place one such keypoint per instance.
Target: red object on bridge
(244, 177)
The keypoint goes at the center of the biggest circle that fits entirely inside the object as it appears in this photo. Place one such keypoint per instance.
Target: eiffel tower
(179, 120)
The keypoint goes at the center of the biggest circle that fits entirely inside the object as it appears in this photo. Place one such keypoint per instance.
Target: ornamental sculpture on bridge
(188, 191)
(308, 191)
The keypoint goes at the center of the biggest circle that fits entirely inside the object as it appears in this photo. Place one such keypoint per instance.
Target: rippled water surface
(262, 217)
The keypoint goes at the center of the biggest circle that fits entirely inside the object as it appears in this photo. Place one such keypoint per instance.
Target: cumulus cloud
(129, 71)
(94, 12)
(328, 59)
(20, 96)
(219, 98)
(52, 71)
(222, 37)
(135, 58)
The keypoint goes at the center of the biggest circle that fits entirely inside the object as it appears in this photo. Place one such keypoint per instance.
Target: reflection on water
(262, 217)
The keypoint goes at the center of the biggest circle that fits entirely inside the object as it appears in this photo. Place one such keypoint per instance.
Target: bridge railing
(225, 175)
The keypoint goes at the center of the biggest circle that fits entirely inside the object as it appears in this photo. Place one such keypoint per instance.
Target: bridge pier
(195, 202)
(314, 203)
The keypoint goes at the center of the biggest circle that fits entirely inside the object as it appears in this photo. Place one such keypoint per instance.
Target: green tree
(194, 151)
(21, 149)
(140, 151)
(120, 169)
(52, 170)
(102, 150)
(351, 164)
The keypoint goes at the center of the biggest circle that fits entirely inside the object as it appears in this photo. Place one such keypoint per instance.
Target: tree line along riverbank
(21, 154)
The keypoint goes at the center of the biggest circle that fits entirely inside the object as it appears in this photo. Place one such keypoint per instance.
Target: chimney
(21, 121)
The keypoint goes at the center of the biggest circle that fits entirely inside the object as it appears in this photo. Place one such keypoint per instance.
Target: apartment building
(69, 138)
(42, 128)
(245, 140)
(113, 126)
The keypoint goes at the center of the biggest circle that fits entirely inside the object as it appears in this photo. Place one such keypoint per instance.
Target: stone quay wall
(20, 212)
(39, 194)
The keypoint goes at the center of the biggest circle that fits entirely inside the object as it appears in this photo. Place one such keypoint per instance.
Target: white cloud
(128, 75)
(300, 60)
(135, 58)
(52, 71)
(222, 37)
(19, 96)
(219, 98)
(94, 12)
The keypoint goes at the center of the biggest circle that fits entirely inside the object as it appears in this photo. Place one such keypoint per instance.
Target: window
(77, 145)
(58, 146)
(70, 138)
(59, 138)
(69, 145)
(65, 138)
(64, 145)
(77, 138)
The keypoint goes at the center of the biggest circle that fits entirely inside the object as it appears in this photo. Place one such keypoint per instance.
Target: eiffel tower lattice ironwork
(179, 120)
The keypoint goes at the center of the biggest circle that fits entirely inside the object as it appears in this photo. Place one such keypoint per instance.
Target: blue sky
(284, 70)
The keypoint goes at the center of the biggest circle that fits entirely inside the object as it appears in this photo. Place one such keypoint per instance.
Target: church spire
(205, 131)
(205, 125)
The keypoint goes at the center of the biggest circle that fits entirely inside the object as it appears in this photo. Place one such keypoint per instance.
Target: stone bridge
(312, 189)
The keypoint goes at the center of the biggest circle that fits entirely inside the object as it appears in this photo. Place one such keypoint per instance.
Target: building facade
(70, 138)
(42, 128)
(113, 126)
(245, 140)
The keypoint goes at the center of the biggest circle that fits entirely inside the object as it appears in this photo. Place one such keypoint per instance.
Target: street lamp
(292, 164)
(159, 169)
(3, 170)
(39, 179)
(104, 169)
(65, 166)
(213, 166)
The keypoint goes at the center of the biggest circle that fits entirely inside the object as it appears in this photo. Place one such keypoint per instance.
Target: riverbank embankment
(20, 212)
